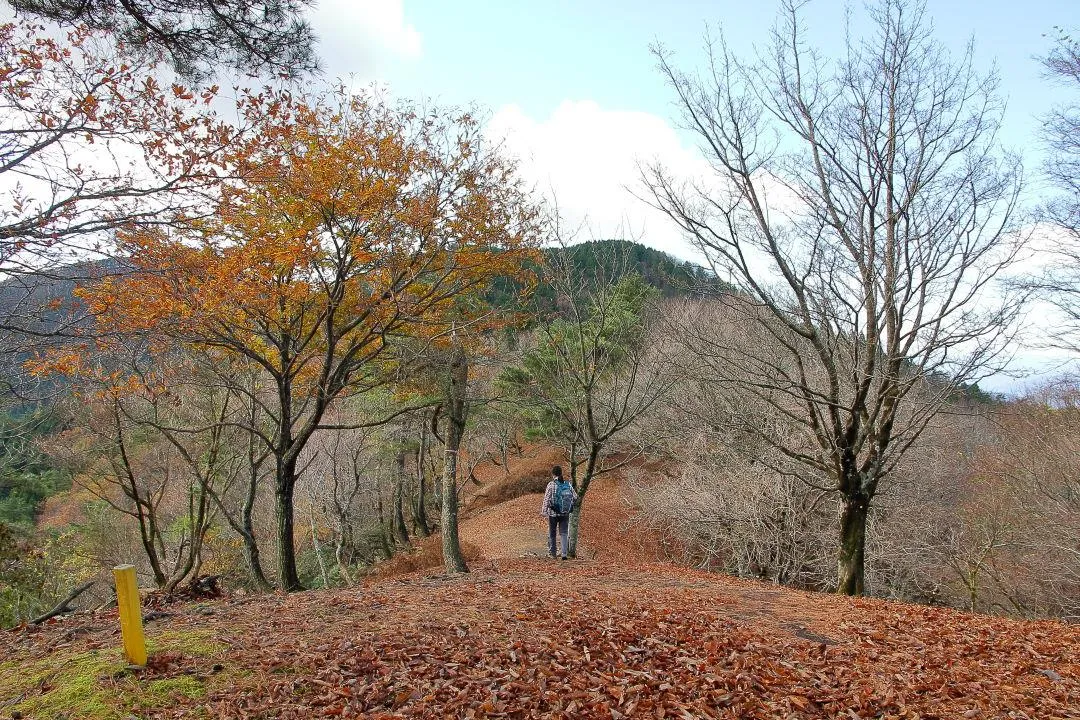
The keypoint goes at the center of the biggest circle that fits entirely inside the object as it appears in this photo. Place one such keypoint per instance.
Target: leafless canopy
(1060, 284)
(863, 210)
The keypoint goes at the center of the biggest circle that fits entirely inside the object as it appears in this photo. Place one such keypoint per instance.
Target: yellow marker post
(127, 598)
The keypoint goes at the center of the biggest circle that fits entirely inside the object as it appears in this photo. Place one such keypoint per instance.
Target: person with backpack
(559, 499)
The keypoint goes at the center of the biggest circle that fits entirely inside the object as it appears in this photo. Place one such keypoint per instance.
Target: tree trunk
(572, 529)
(247, 532)
(581, 487)
(197, 520)
(423, 527)
(401, 533)
(457, 379)
(246, 526)
(852, 545)
(286, 484)
(254, 561)
(147, 534)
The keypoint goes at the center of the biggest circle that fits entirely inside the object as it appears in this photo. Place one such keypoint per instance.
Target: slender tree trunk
(197, 519)
(423, 527)
(145, 511)
(147, 534)
(246, 526)
(456, 410)
(581, 487)
(852, 544)
(254, 560)
(247, 532)
(401, 533)
(286, 484)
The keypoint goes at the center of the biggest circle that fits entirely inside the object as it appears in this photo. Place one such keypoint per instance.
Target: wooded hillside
(311, 378)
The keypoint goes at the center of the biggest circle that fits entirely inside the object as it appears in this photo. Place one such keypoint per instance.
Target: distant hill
(38, 311)
(672, 277)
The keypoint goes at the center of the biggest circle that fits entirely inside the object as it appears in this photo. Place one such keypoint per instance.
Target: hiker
(559, 499)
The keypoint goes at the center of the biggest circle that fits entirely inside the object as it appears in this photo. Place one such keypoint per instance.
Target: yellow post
(127, 598)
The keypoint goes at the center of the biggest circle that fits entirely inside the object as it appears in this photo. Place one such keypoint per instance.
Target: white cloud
(587, 158)
(357, 36)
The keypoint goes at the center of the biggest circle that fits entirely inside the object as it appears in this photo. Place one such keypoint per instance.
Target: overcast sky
(572, 87)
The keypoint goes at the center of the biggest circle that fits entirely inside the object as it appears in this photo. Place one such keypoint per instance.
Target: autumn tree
(91, 142)
(864, 211)
(356, 223)
(198, 36)
(593, 371)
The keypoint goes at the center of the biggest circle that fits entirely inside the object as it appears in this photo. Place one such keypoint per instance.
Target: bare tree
(1025, 506)
(863, 210)
(1060, 282)
(343, 478)
(1061, 132)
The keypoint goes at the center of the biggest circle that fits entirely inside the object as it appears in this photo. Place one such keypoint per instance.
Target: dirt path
(609, 531)
(611, 538)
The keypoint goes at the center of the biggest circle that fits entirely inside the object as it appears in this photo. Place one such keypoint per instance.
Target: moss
(190, 643)
(95, 685)
(62, 684)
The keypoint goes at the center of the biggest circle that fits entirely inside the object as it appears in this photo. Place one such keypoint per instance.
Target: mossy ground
(96, 685)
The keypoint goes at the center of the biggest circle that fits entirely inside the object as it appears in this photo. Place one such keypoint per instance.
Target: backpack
(563, 502)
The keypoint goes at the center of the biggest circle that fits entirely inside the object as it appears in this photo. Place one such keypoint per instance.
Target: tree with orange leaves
(89, 141)
(356, 223)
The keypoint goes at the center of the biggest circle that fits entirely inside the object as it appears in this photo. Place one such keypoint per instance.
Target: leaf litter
(613, 636)
(533, 638)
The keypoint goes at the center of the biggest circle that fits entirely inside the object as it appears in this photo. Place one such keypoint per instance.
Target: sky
(572, 88)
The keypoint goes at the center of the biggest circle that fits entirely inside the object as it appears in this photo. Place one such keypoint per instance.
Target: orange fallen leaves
(524, 638)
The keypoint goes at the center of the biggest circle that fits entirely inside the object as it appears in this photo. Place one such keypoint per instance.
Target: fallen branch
(62, 607)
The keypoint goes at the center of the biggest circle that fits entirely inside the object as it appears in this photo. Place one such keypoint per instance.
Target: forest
(305, 375)
(280, 337)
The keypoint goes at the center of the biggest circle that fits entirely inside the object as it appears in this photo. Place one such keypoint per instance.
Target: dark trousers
(559, 523)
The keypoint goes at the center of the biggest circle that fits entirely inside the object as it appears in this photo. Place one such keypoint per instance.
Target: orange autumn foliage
(350, 223)
(354, 222)
(92, 142)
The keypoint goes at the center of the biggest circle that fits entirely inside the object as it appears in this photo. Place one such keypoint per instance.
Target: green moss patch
(97, 685)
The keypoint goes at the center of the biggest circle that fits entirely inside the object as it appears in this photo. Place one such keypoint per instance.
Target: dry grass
(511, 489)
(424, 555)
